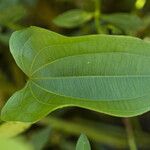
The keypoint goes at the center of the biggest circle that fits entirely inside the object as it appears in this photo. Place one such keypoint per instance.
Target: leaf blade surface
(108, 74)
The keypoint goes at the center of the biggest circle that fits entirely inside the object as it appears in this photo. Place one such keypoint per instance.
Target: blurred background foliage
(61, 129)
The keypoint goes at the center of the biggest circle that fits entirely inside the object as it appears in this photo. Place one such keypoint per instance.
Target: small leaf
(72, 18)
(40, 138)
(83, 143)
(126, 22)
(7, 17)
(79, 71)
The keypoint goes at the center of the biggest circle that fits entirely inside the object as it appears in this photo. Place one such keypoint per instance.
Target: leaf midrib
(92, 76)
(77, 55)
(51, 92)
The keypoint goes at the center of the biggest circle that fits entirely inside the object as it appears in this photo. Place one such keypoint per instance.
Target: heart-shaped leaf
(108, 74)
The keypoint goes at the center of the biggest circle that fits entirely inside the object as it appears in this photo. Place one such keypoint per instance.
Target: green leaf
(11, 129)
(7, 17)
(83, 143)
(4, 38)
(40, 138)
(72, 18)
(108, 74)
(127, 22)
(7, 3)
(14, 144)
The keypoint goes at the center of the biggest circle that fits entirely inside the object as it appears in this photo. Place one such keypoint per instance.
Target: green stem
(135, 122)
(108, 134)
(97, 16)
(76, 129)
(130, 134)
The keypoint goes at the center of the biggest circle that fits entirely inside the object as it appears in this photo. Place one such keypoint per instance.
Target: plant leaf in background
(13, 144)
(128, 23)
(81, 71)
(11, 11)
(8, 131)
(6, 15)
(11, 129)
(73, 18)
(40, 138)
(83, 143)
(8, 3)
(4, 38)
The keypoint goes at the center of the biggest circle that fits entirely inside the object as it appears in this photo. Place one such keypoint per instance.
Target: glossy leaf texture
(104, 73)
(83, 143)
(72, 18)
